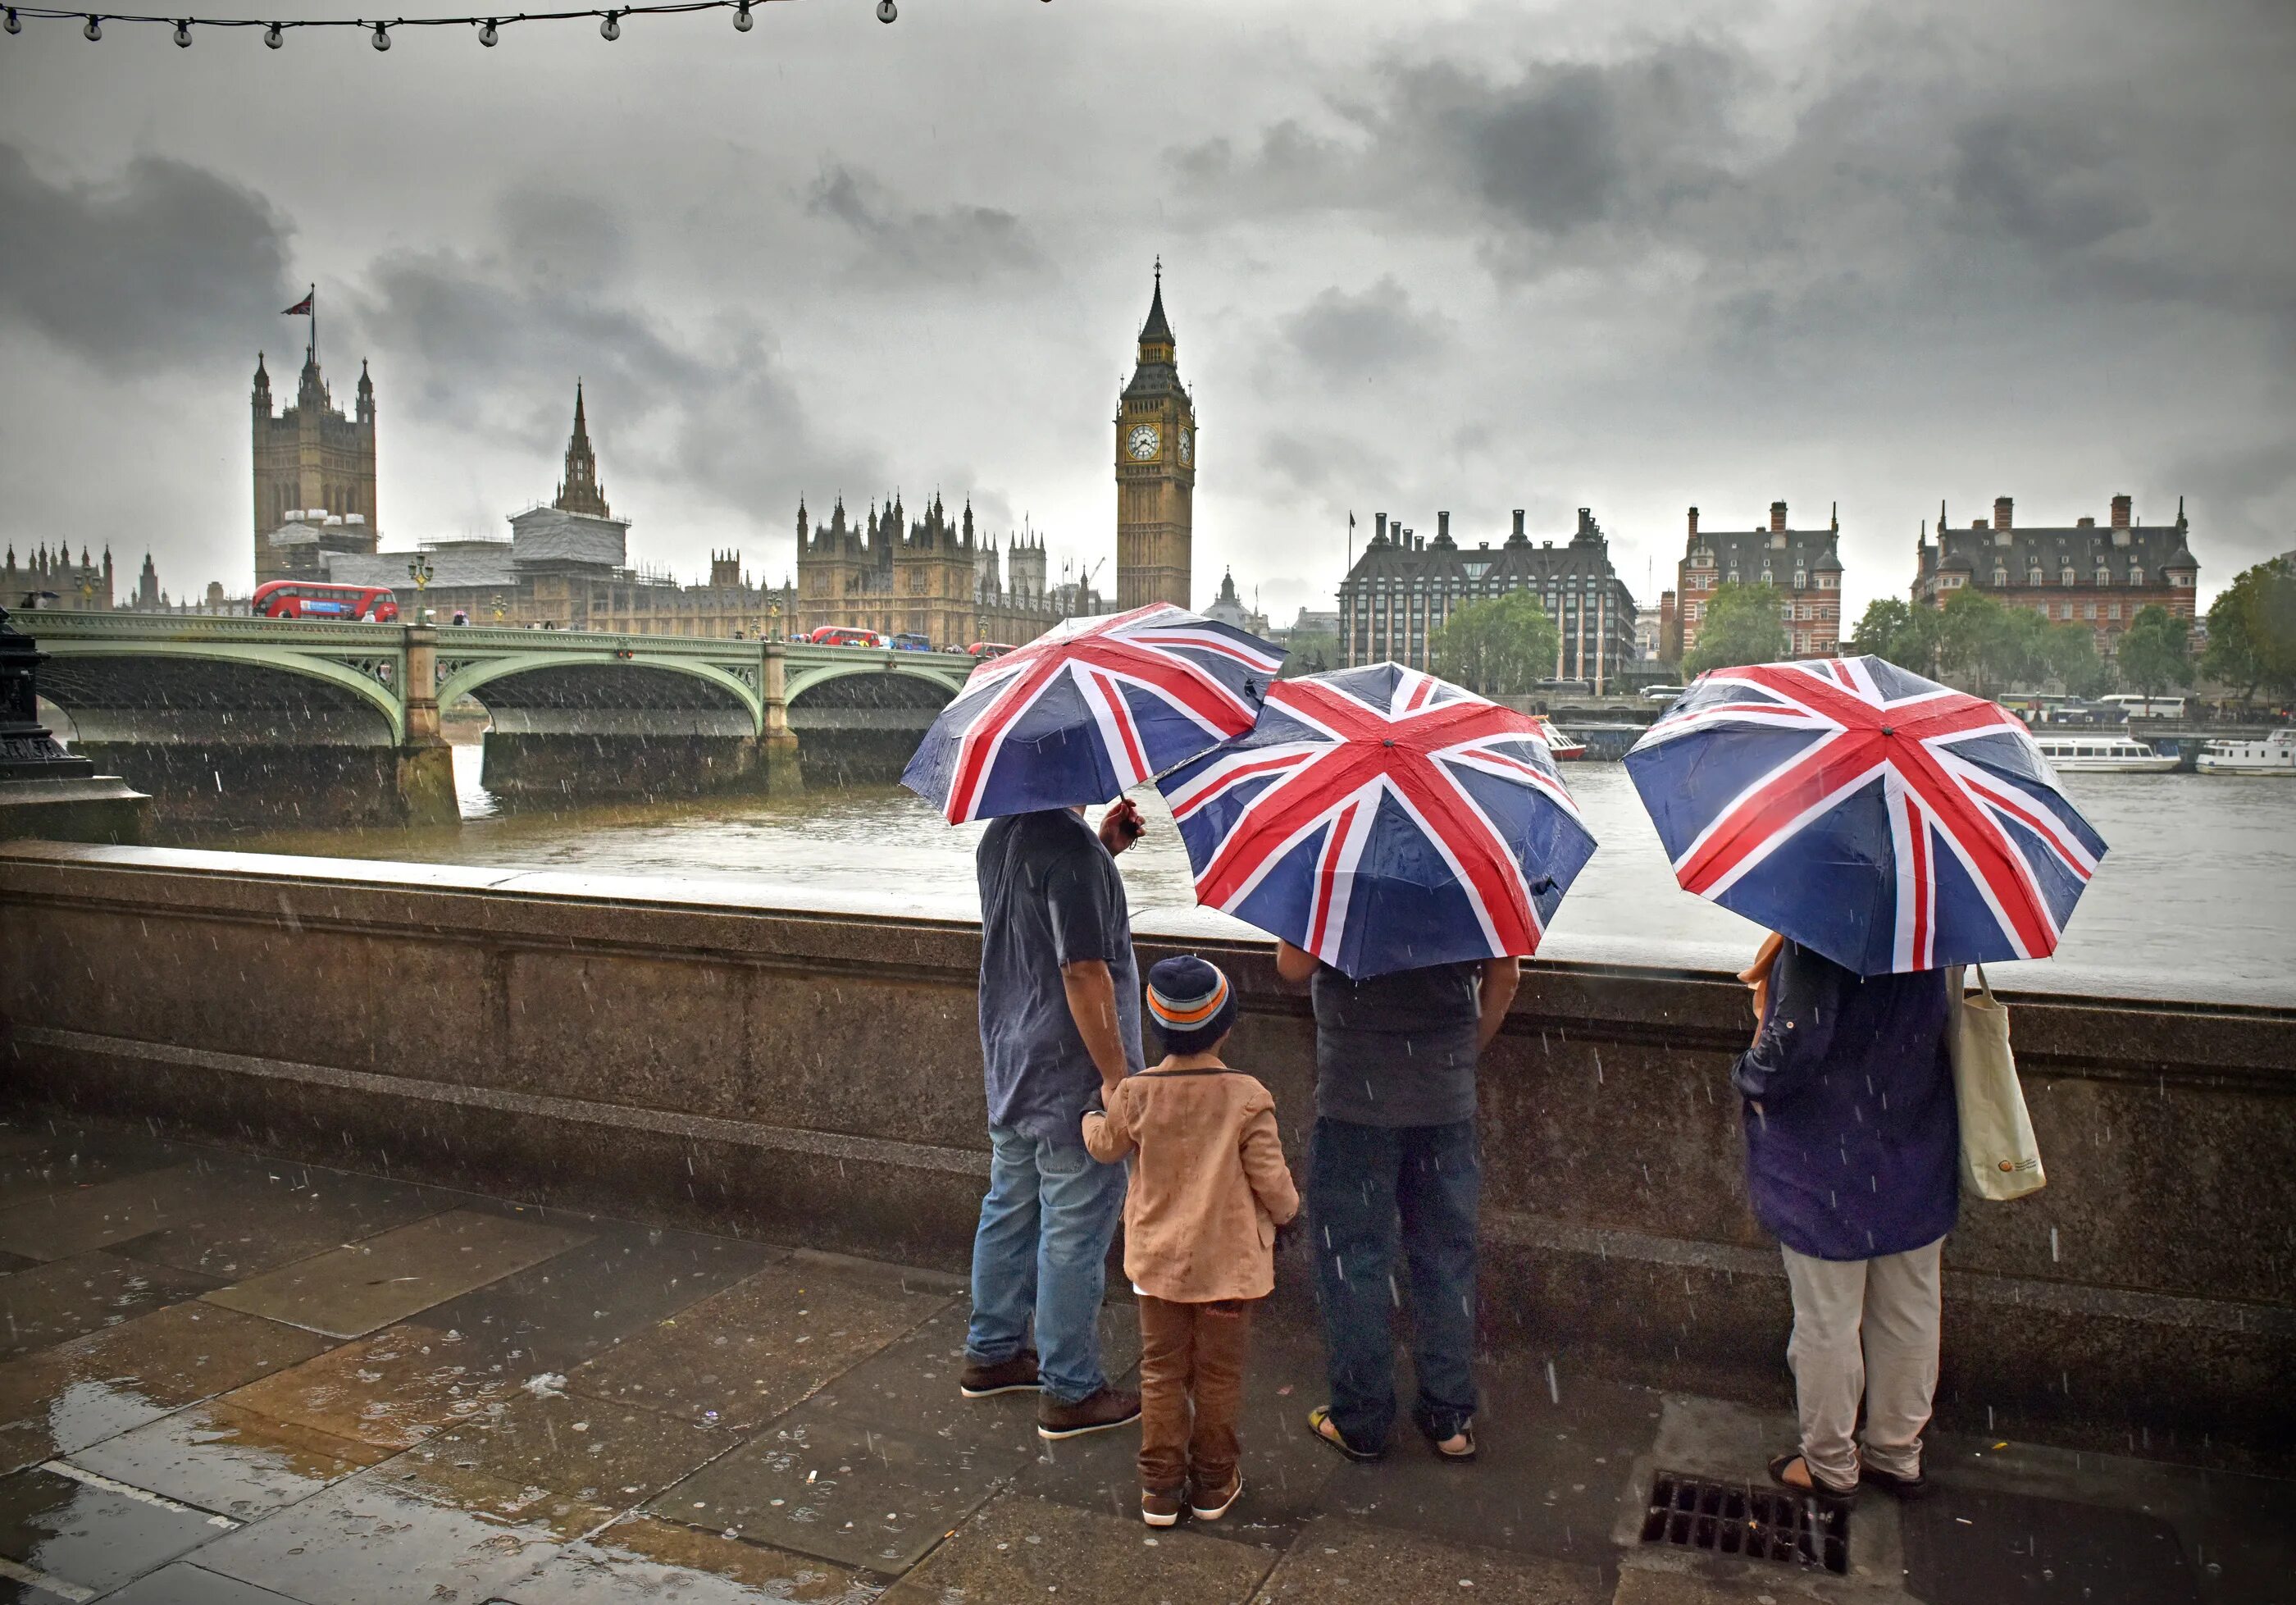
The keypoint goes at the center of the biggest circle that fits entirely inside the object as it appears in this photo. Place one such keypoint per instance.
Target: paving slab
(363, 1286)
(610, 1454)
(64, 1399)
(381, 1538)
(911, 1387)
(743, 1356)
(1553, 1464)
(1020, 1548)
(553, 1315)
(229, 1461)
(10, 1263)
(2009, 1547)
(1337, 1562)
(828, 1485)
(89, 1538)
(58, 1301)
(250, 1217)
(390, 1391)
(184, 1583)
(41, 1156)
(641, 1561)
(72, 1220)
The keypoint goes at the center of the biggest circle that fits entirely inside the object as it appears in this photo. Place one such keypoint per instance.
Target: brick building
(1804, 565)
(1405, 587)
(2076, 575)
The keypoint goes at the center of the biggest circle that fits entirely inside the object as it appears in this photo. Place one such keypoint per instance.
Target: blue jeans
(1042, 1248)
(1362, 1181)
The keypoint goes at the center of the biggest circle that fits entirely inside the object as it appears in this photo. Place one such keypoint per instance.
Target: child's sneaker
(1210, 1504)
(1159, 1509)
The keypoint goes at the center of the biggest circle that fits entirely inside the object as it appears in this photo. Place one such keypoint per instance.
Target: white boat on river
(2099, 753)
(2274, 754)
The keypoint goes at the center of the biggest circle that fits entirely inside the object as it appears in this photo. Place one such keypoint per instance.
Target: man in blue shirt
(1059, 1024)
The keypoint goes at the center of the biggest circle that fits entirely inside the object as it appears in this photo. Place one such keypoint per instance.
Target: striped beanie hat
(1191, 1003)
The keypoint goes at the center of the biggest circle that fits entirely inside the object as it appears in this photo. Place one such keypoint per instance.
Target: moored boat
(1560, 746)
(2100, 753)
(2274, 754)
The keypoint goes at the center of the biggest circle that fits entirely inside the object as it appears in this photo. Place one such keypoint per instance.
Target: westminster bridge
(251, 721)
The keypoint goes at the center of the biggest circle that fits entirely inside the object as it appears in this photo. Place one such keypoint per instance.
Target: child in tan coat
(1208, 1190)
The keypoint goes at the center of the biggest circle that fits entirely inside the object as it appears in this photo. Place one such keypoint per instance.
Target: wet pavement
(226, 1380)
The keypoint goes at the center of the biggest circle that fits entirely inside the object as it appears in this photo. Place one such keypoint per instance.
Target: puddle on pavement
(615, 1454)
(390, 1391)
(641, 1559)
(221, 1458)
(53, 1303)
(93, 1537)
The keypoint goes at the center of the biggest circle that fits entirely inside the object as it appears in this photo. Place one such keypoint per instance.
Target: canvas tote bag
(1999, 1159)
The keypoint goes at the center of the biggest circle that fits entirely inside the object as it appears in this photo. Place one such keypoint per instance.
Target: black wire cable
(274, 31)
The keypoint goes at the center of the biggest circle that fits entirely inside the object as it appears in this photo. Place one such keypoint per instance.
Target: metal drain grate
(1735, 1519)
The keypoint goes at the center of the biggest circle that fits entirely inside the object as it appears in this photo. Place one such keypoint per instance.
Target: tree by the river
(1739, 626)
(2252, 632)
(2155, 652)
(1498, 647)
(1312, 651)
(1895, 629)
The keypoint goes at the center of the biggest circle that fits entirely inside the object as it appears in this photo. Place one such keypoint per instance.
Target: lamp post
(774, 620)
(498, 605)
(420, 570)
(87, 579)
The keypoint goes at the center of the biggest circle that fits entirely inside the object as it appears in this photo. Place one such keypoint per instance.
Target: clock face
(1142, 442)
(1187, 445)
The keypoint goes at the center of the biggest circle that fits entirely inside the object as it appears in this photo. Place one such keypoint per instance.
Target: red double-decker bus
(316, 599)
(845, 634)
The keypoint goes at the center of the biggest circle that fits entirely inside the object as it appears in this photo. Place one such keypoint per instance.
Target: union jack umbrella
(1090, 709)
(1384, 820)
(1890, 822)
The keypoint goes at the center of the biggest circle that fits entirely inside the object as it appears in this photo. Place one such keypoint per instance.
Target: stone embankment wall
(659, 1047)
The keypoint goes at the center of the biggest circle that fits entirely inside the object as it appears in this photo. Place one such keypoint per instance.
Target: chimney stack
(1443, 526)
(1518, 523)
(1777, 517)
(1379, 526)
(2120, 515)
(2004, 507)
(1694, 523)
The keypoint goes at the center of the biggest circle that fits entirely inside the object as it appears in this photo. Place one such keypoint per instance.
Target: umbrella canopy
(1384, 820)
(1890, 822)
(1088, 709)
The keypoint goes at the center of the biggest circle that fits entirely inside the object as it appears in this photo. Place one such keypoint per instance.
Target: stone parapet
(814, 1074)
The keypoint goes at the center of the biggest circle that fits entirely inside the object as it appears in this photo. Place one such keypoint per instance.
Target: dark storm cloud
(495, 341)
(164, 266)
(1354, 336)
(896, 241)
(2047, 182)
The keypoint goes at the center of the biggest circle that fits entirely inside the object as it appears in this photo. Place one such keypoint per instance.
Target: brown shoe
(1104, 1409)
(1210, 1504)
(1159, 1509)
(1016, 1375)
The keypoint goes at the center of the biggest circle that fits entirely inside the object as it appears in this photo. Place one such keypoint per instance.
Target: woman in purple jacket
(1852, 1156)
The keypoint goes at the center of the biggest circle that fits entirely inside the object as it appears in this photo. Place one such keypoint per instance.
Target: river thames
(2196, 897)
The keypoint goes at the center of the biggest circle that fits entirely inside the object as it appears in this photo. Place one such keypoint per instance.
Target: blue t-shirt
(1050, 894)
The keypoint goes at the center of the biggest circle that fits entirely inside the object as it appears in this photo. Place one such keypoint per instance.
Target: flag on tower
(302, 308)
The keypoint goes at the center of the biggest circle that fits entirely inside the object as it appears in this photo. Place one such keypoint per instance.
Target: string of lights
(379, 29)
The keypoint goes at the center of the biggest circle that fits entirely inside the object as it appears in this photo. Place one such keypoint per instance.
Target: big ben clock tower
(1155, 472)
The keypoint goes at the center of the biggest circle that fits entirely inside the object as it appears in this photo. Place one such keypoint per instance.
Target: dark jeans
(1362, 1181)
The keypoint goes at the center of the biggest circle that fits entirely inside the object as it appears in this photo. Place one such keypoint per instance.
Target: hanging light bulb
(94, 30)
(182, 35)
(609, 28)
(272, 37)
(381, 38)
(487, 36)
(15, 27)
(741, 18)
(887, 10)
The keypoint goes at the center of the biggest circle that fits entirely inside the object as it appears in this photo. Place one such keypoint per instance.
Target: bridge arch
(565, 678)
(107, 687)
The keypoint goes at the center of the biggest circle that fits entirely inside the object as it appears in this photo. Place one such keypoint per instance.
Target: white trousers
(1863, 1329)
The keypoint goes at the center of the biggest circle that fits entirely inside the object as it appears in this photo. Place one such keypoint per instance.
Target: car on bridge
(844, 635)
(909, 642)
(314, 599)
(984, 650)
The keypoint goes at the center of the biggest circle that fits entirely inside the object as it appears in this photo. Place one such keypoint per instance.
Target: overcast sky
(1423, 255)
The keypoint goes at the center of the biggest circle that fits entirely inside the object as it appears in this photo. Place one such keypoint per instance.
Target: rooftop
(243, 1379)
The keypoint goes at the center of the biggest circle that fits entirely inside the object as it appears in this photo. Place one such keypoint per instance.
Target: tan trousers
(1191, 1353)
(1863, 1329)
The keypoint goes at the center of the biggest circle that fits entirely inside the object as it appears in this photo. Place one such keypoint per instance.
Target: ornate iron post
(44, 791)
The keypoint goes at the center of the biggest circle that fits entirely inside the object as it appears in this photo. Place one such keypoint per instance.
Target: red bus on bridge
(842, 635)
(316, 599)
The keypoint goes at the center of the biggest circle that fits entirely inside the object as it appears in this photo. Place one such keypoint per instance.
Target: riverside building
(2075, 574)
(1804, 566)
(1405, 587)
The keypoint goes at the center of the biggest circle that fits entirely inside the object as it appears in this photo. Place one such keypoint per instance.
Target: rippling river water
(2197, 896)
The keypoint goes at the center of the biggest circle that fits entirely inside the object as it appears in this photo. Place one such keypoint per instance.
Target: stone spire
(579, 491)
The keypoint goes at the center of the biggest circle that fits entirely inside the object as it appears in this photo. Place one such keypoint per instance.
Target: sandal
(1813, 1488)
(1457, 1456)
(1916, 1486)
(1320, 1423)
